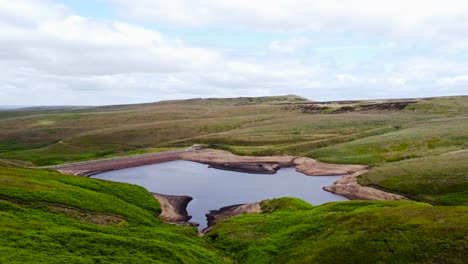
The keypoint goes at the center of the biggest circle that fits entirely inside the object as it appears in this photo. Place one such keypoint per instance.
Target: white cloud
(29, 12)
(297, 15)
(455, 80)
(289, 45)
(51, 56)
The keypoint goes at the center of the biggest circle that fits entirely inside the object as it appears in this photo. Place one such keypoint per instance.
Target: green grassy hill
(258, 126)
(347, 232)
(438, 179)
(416, 147)
(47, 217)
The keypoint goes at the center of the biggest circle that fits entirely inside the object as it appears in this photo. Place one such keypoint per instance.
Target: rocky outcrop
(174, 208)
(214, 216)
(258, 168)
(220, 159)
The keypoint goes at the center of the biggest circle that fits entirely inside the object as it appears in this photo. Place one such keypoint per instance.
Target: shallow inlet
(212, 189)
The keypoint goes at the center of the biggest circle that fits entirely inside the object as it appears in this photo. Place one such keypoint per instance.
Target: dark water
(213, 189)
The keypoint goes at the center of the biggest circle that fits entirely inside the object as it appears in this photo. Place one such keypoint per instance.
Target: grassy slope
(46, 217)
(32, 230)
(408, 148)
(348, 232)
(51, 137)
(420, 139)
(244, 126)
(439, 179)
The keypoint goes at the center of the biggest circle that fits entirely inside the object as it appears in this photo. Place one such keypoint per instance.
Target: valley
(403, 162)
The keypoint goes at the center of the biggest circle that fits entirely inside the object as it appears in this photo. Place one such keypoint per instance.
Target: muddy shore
(349, 187)
(174, 207)
(90, 168)
(219, 159)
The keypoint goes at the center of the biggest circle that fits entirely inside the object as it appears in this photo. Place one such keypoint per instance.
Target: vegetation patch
(348, 232)
(90, 217)
(284, 204)
(47, 217)
(439, 179)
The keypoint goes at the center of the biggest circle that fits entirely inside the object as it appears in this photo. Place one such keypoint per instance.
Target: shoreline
(347, 186)
(174, 208)
(93, 167)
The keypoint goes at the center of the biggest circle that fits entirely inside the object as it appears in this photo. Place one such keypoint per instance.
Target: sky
(84, 52)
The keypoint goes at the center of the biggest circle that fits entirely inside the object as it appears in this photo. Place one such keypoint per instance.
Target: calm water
(213, 189)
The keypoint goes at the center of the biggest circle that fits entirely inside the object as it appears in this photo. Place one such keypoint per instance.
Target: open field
(244, 126)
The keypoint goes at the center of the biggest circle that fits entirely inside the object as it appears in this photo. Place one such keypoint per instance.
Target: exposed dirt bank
(347, 186)
(270, 164)
(174, 208)
(312, 167)
(351, 106)
(214, 216)
(89, 168)
(351, 189)
(259, 168)
(224, 160)
(218, 159)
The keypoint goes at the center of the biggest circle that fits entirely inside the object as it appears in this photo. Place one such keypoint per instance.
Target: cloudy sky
(94, 52)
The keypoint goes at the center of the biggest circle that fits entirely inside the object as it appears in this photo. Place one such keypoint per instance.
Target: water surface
(212, 189)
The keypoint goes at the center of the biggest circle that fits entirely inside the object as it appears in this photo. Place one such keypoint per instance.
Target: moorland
(416, 148)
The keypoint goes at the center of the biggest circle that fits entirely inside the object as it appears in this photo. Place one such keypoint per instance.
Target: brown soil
(388, 106)
(324, 107)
